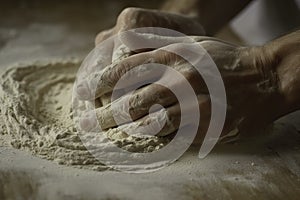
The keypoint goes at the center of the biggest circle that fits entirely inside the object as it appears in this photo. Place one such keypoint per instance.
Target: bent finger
(134, 107)
(134, 67)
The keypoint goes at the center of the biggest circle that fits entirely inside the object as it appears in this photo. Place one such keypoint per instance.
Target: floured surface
(227, 173)
(36, 107)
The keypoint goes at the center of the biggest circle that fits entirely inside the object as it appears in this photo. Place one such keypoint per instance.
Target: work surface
(265, 167)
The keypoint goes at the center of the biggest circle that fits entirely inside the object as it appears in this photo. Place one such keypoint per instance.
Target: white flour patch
(36, 103)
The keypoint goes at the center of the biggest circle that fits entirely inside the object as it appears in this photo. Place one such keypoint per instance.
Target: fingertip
(88, 122)
(83, 91)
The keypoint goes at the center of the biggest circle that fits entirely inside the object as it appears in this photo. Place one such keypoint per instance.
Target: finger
(138, 68)
(161, 123)
(120, 51)
(211, 39)
(93, 65)
(167, 120)
(138, 105)
(106, 52)
(104, 81)
(149, 95)
(88, 121)
(139, 41)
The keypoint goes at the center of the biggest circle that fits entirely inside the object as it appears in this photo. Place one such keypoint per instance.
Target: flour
(36, 107)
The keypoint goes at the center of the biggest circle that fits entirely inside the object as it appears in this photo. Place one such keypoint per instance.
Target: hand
(255, 84)
(240, 78)
(131, 18)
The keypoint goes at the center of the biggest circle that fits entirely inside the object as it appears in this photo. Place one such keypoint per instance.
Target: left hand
(235, 64)
(112, 49)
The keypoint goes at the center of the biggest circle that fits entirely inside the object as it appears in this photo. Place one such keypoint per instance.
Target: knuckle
(160, 55)
(132, 17)
(127, 13)
(120, 70)
(166, 57)
(134, 102)
(107, 76)
(114, 72)
(159, 93)
(136, 108)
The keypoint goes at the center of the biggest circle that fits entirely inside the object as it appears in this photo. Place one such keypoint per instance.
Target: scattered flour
(36, 109)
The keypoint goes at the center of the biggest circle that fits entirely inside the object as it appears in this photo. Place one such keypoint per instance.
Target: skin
(262, 83)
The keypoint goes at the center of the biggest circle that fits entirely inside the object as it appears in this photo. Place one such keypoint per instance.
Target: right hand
(131, 18)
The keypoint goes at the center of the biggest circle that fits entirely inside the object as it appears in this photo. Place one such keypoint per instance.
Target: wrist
(286, 53)
(261, 62)
(277, 67)
(268, 100)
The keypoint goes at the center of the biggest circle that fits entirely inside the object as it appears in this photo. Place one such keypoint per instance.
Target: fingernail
(88, 122)
(83, 91)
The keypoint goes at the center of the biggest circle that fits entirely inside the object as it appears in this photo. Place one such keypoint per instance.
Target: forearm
(212, 14)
